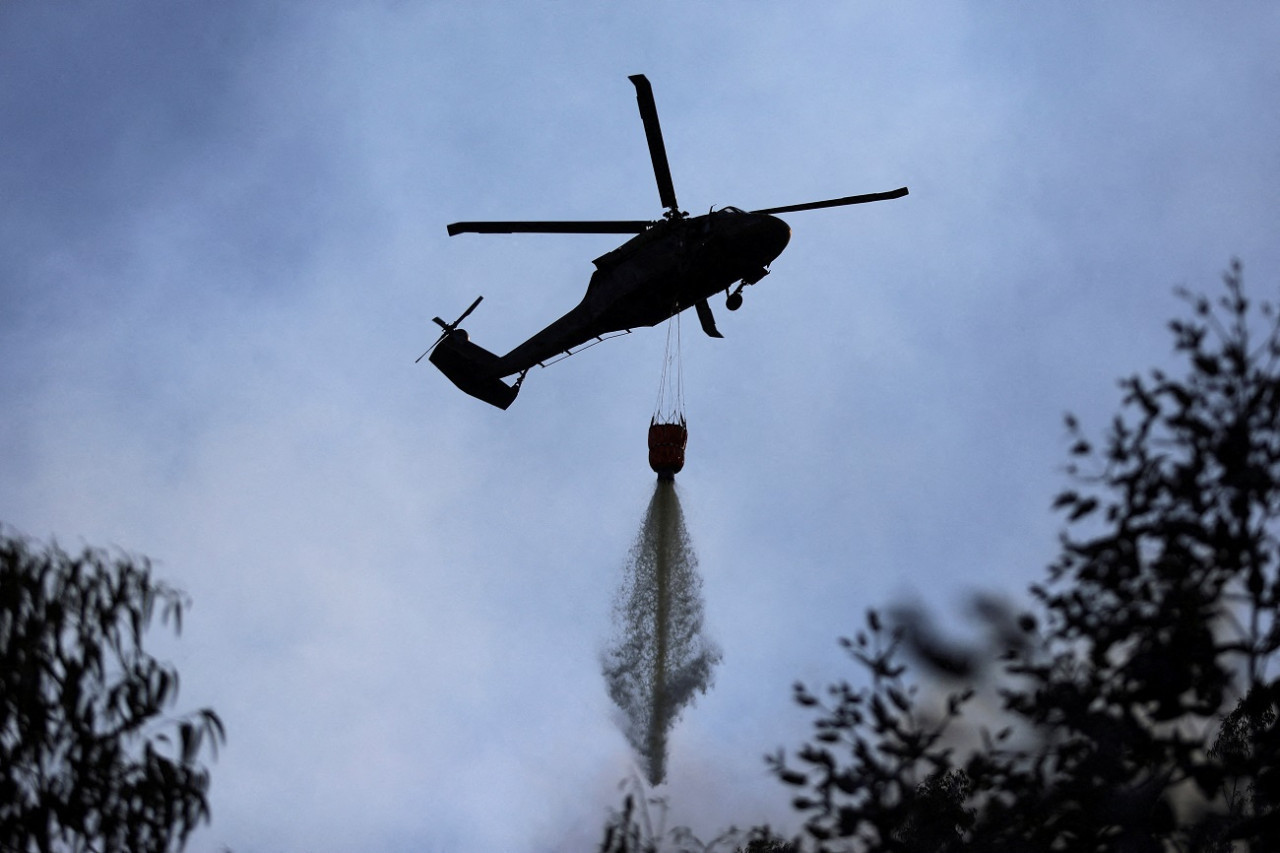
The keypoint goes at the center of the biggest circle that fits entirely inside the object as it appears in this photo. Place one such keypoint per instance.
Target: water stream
(659, 656)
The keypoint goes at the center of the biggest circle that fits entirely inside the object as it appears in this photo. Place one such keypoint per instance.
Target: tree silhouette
(1141, 696)
(87, 762)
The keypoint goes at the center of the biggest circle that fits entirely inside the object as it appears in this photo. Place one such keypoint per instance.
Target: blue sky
(224, 238)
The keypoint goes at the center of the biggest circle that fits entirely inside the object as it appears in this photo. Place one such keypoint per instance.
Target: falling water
(659, 656)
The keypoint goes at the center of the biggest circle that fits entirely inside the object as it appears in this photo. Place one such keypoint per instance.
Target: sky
(222, 241)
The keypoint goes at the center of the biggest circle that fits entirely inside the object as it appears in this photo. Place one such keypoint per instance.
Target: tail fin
(471, 368)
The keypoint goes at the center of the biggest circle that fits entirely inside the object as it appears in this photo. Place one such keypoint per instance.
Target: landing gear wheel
(733, 301)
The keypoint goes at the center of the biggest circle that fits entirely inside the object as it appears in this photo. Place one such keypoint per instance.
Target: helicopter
(671, 264)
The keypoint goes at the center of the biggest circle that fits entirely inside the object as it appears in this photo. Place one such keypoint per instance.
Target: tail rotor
(449, 328)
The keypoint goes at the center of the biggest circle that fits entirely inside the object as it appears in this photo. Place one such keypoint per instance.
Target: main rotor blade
(622, 226)
(653, 132)
(837, 202)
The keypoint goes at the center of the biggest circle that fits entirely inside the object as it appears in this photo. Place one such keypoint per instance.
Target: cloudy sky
(222, 240)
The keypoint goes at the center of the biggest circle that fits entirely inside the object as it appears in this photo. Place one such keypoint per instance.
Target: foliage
(87, 762)
(1142, 695)
(632, 830)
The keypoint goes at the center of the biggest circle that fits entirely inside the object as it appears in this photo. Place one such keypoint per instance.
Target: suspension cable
(670, 406)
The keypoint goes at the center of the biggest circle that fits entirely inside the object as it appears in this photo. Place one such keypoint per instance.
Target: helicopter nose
(769, 236)
(774, 236)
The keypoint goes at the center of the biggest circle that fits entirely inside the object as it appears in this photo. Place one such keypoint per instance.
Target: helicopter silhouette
(673, 263)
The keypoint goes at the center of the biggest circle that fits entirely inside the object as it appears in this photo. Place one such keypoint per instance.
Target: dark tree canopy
(87, 761)
(1141, 696)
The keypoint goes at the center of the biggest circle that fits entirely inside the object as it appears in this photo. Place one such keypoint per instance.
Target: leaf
(190, 742)
(1082, 509)
(792, 777)
(1207, 365)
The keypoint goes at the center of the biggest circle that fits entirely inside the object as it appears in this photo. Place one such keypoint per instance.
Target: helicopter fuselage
(673, 265)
